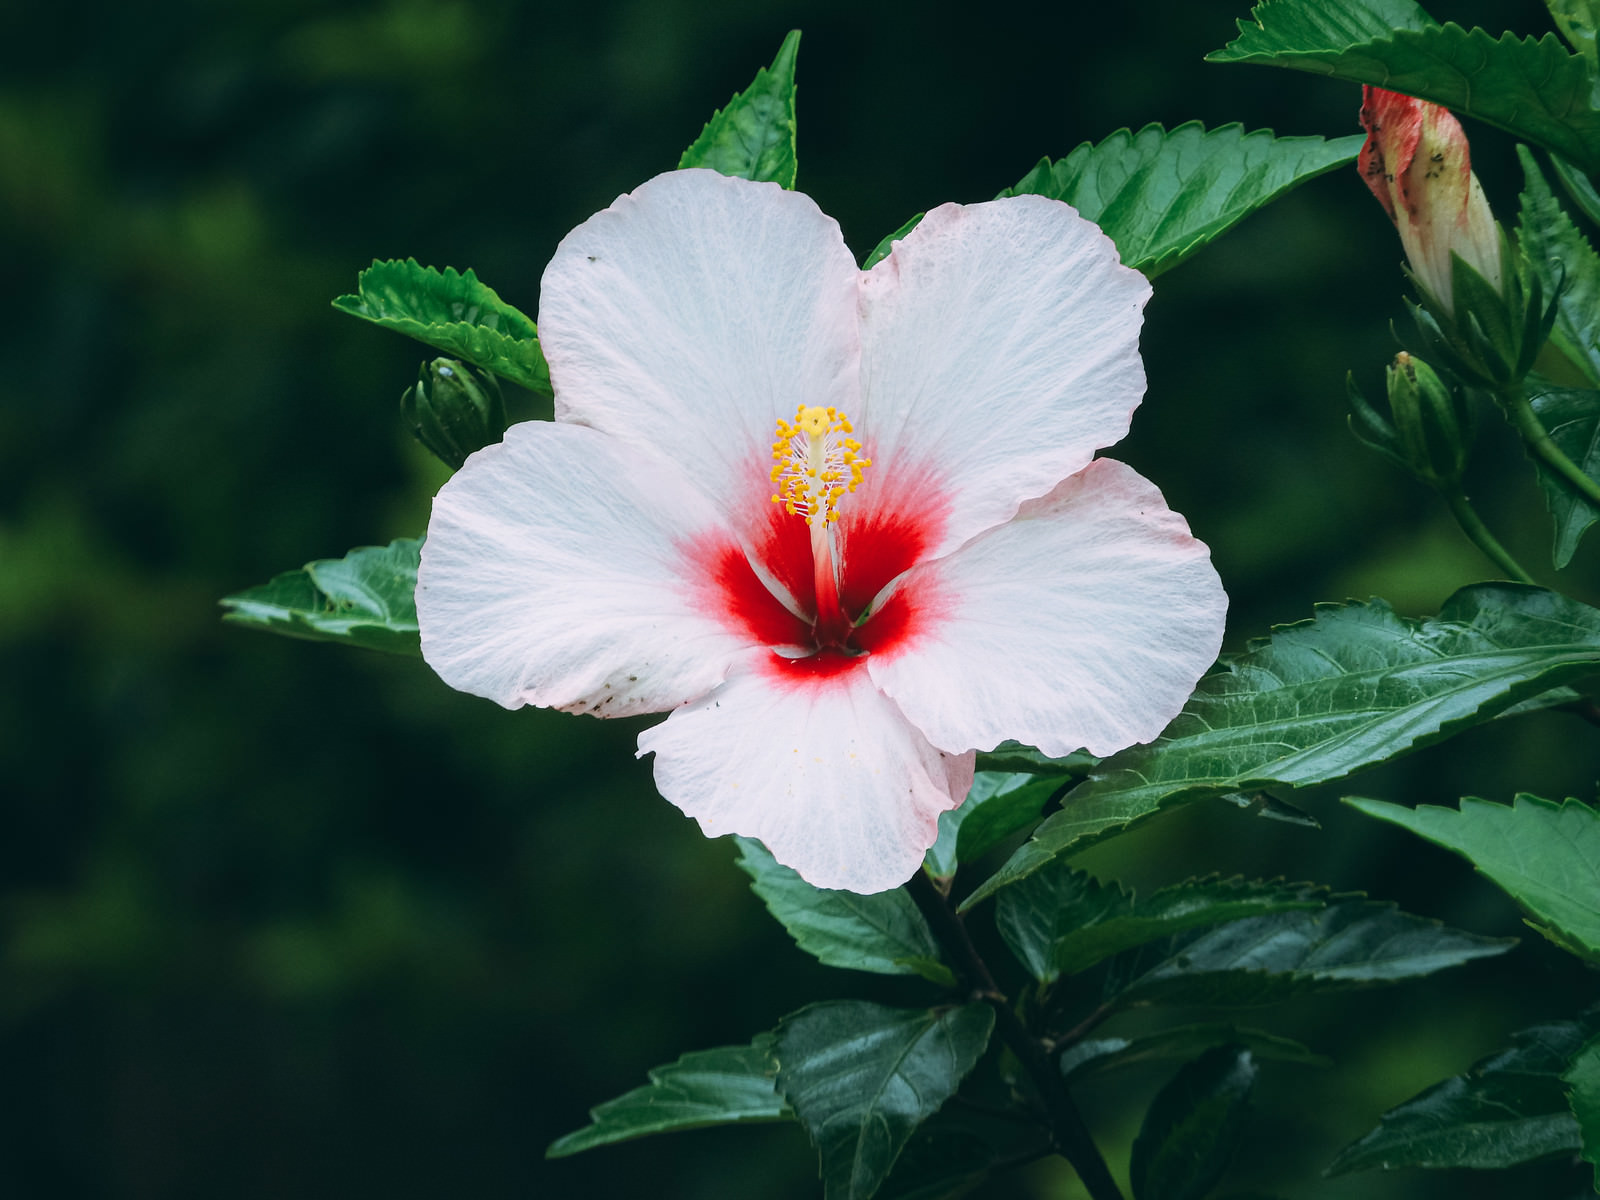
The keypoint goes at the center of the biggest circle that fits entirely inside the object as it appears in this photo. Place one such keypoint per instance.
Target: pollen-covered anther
(816, 463)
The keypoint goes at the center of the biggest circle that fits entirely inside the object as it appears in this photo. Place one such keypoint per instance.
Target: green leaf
(1000, 804)
(753, 137)
(1571, 416)
(959, 1148)
(1260, 960)
(1161, 195)
(1509, 1108)
(1577, 19)
(452, 312)
(1578, 187)
(1100, 1055)
(367, 598)
(1546, 855)
(1014, 756)
(1059, 921)
(1192, 1127)
(884, 932)
(862, 1077)
(882, 250)
(1355, 686)
(1565, 265)
(1582, 1078)
(705, 1087)
(1532, 88)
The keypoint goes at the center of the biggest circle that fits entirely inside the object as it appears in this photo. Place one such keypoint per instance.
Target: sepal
(453, 409)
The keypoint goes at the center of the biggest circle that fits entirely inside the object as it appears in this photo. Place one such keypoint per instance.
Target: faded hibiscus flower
(1417, 163)
(844, 526)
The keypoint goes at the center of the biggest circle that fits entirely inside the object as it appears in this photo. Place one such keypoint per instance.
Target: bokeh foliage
(286, 919)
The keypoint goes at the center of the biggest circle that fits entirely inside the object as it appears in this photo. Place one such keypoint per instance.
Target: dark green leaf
(753, 137)
(882, 249)
(1546, 855)
(1161, 195)
(999, 805)
(1059, 921)
(883, 932)
(1099, 1055)
(862, 1077)
(1260, 960)
(1532, 88)
(1509, 1108)
(1013, 756)
(1192, 1127)
(958, 1148)
(1355, 686)
(367, 598)
(1577, 20)
(1582, 1078)
(1571, 416)
(1566, 267)
(1578, 187)
(454, 313)
(704, 1087)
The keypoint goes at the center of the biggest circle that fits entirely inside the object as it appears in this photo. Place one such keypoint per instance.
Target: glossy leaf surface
(754, 136)
(367, 598)
(862, 1077)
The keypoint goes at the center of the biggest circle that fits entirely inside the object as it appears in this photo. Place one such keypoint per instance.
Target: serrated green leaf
(1509, 1108)
(1162, 195)
(1100, 1055)
(704, 1087)
(1059, 921)
(453, 312)
(1355, 686)
(367, 598)
(1014, 756)
(1565, 265)
(958, 1148)
(1577, 20)
(1578, 187)
(882, 249)
(862, 1077)
(753, 137)
(1532, 88)
(1546, 855)
(884, 932)
(1571, 416)
(1582, 1078)
(1192, 1127)
(1000, 804)
(1260, 960)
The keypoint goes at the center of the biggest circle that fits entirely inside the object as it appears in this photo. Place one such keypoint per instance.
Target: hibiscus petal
(816, 763)
(999, 351)
(1085, 622)
(559, 570)
(692, 314)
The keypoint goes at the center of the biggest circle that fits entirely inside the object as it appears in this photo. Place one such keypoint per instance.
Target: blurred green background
(283, 919)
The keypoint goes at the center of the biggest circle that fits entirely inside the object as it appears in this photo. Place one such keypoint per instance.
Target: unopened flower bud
(454, 409)
(1417, 163)
(1429, 429)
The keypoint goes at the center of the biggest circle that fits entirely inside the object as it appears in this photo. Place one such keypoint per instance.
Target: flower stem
(1538, 441)
(1067, 1128)
(1472, 525)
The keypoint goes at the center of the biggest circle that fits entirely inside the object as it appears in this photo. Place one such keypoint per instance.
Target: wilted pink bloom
(1417, 164)
(844, 526)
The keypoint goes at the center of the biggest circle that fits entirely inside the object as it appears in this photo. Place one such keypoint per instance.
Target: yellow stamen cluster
(816, 463)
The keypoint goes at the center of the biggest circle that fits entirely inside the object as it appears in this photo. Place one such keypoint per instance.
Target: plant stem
(1538, 441)
(1067, 1129)
(1472, 525)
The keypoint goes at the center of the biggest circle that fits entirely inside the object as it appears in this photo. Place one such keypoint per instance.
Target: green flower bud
(1432, 423)
(454, 409)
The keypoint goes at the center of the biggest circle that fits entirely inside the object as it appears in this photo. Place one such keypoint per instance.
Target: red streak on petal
(813, 669)
(888, 527)
(731, 590)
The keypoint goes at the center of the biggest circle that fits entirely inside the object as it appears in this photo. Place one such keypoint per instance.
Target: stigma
(816, 464)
